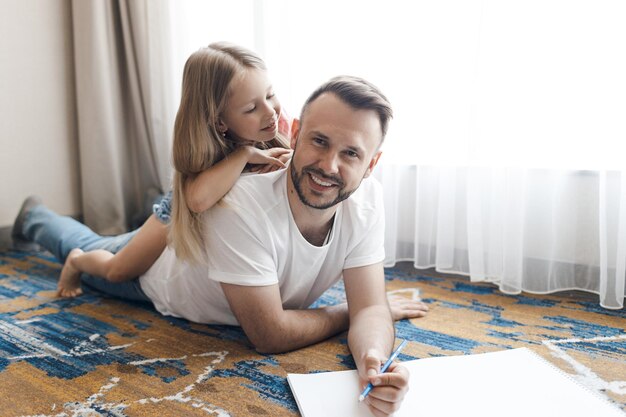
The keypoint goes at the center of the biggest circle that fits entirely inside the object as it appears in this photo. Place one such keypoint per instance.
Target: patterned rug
(97, 356)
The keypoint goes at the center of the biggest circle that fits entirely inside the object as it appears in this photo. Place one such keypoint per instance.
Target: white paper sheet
(510, 383)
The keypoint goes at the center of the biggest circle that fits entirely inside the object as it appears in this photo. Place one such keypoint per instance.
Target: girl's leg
(60, 234)
(94, 262)
(139, 254)
(133, 260)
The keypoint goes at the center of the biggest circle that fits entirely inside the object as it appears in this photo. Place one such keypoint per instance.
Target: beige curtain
(122, 53)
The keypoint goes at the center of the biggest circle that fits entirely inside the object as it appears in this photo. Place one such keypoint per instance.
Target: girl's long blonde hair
(198, 144)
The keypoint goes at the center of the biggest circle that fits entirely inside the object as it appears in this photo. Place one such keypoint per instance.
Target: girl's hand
(286, 156)
(268, 160)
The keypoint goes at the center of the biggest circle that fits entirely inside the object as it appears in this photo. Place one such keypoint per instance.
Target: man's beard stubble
(298, 178)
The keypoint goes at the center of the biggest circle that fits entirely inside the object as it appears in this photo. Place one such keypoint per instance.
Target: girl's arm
(206, 189)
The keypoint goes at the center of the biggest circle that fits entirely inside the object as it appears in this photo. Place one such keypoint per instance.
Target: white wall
(38, 140)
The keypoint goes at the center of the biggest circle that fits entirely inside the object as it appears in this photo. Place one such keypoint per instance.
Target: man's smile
(320, 182)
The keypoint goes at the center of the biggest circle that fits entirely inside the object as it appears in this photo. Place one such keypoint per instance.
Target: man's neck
(313, 224)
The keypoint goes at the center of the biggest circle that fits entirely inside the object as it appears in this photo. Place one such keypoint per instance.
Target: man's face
(336, 147)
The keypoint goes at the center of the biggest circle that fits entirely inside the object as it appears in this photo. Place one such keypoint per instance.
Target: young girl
(228, 121)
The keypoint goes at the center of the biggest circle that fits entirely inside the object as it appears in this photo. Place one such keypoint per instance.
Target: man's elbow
(269, 348)
(268, 341)
(268, 344)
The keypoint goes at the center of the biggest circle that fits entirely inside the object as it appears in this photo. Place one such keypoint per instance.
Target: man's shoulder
(365, 205)
(256, 191)
(369, 195)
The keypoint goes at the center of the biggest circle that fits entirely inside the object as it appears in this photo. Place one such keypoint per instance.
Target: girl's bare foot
(69, 283)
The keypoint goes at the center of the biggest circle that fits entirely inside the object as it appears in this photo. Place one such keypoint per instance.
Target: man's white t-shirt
(251, 239)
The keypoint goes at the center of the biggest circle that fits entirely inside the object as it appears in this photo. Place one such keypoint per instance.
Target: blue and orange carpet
(97, 356)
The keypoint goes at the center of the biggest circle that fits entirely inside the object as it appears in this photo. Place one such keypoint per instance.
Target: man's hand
(389, 388)
(404, 308)
(268, 160)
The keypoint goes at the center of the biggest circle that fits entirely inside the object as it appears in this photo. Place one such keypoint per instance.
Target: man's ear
(295, 131)
(372, 164)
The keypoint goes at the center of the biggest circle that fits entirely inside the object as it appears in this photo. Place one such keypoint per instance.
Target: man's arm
(371, 325)
(272, 329)
(371, 337)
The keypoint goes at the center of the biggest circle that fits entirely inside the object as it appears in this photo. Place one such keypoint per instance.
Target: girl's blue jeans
(60, 234)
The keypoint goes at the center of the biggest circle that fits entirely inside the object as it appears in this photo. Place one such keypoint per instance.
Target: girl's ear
(221, 126)
(295, 131)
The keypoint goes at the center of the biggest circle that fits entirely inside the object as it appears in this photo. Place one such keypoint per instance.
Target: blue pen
(393, 356)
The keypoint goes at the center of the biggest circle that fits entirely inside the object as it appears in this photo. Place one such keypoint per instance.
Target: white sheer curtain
(503, 160)
(525, 229)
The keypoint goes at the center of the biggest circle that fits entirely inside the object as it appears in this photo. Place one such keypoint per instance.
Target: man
(277, 241)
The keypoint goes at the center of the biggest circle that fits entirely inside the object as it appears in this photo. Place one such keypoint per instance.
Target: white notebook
(509, 383)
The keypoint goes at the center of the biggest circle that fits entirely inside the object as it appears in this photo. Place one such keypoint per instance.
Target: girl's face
(252, 110)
